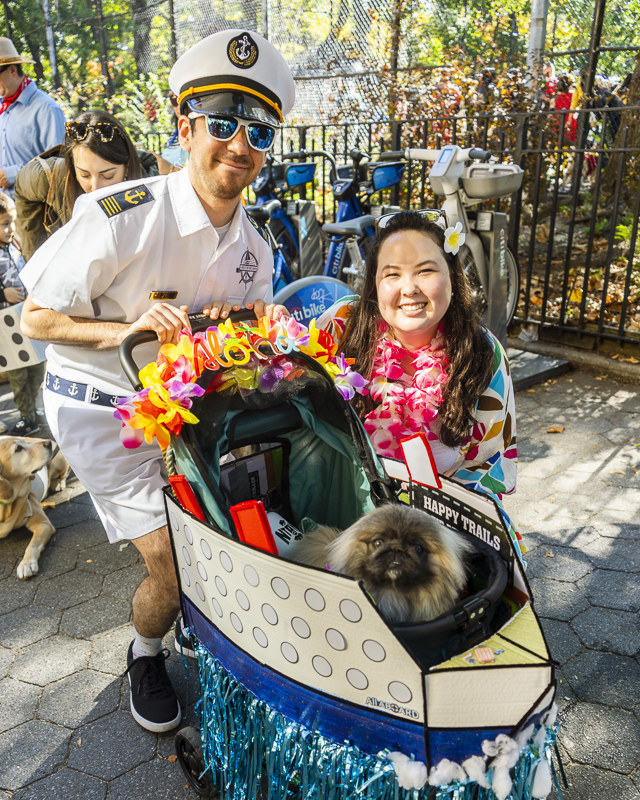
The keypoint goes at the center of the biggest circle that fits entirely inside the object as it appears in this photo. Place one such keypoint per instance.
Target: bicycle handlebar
(421, 154)
(198, 322)
(310, 154)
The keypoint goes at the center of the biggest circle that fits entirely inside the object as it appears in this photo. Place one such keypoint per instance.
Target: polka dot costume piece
(16, 350)
(317, 628)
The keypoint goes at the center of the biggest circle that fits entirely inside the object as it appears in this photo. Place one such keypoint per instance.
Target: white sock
(144, 646)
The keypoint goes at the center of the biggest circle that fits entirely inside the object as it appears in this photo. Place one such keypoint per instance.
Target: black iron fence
(573, 225)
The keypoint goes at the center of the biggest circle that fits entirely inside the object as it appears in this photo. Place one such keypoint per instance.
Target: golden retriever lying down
(29, 470)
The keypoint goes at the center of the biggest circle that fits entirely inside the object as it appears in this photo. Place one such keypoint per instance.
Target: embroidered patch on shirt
(168, 294)
(129, 198)
(247, 268)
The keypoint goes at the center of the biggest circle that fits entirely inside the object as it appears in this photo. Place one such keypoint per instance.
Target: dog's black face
(395, 557)
(395, 545)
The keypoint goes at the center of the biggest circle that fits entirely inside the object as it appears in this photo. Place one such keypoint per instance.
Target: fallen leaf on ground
(556, 429)
(79, 742)
(616, 472)
(628, 359)
(48, 504)
(549, 554)
(531, 391)
(173, 758)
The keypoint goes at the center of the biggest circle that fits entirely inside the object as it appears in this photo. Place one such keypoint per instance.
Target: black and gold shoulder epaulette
(259, 228)
(127, 198)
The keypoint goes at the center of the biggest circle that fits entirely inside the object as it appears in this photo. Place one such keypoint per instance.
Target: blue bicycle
(349, 237)
(291, 224)
(353, 230)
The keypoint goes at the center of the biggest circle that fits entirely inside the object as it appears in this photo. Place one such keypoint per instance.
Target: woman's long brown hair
(469, 350)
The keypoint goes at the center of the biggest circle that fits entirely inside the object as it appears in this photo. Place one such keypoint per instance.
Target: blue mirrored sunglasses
(223, 127)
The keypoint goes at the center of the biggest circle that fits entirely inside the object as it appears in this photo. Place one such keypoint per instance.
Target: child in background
(25, 382)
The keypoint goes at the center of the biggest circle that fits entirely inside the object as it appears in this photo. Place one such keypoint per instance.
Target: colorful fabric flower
(239, 353)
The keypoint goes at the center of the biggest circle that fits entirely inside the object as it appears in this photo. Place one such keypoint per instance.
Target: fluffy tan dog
(412, 566)
(23, 484)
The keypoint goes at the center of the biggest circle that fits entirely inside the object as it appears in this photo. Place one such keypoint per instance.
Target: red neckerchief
(6, 101)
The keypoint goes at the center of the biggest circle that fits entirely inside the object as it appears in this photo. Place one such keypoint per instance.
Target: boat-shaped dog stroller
(307, 691)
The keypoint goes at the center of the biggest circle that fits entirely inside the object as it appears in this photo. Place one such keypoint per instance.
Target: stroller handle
(198, 322)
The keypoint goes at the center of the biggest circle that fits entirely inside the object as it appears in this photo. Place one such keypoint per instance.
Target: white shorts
(125, 485)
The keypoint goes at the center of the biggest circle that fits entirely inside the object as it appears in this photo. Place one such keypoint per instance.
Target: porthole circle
(200, 591)
(281, 588)
(321, 666)
(400, 692)
(236, 622)
(251, 576)
(186, 555)
(225, 560)
(289, 652)
(206, 550)
(373, 650)
(357, 679)
(335, 639)
(301, 627)
(216, 606)
(202, 571)
(185, 577)
(314, 600)
(261, 637)
(221, 586)
(350, 611)
(269, 613)
(242, 600)
(187, 534)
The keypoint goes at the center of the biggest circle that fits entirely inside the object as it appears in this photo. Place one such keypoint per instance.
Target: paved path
(65, 731)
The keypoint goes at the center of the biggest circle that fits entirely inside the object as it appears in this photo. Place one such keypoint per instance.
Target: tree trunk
(628, 118)
(34, 49)
(397, 12)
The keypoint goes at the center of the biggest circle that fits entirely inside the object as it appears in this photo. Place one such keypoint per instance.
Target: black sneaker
(153, 701)
(183, 642)
(24, 427)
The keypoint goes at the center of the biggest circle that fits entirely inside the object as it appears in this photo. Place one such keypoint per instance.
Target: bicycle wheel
(513, 284)
(288, 245)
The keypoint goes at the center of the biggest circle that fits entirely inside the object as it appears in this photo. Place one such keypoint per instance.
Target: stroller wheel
(191, 758)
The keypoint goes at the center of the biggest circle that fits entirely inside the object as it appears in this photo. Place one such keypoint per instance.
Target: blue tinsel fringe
(255, 753)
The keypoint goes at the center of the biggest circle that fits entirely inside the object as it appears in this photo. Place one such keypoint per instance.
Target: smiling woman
(97, 152)
(433, 368)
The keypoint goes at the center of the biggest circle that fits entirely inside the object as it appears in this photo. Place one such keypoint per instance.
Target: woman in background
(97, 152)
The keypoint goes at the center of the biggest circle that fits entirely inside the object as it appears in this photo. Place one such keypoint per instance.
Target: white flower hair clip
(454, 238)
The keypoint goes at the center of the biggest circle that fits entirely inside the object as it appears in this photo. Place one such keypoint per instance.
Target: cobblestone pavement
(65, 729)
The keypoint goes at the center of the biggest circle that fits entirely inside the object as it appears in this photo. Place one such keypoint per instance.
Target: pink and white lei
(405, 405)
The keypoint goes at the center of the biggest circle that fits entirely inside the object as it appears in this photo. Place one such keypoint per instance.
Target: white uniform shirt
(120, 246)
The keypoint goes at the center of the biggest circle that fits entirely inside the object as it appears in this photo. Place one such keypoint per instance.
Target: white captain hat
(235, 72)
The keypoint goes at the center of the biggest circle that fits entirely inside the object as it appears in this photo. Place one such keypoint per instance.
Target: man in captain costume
(139, 256)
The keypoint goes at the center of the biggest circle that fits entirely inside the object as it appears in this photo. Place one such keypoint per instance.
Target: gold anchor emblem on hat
(134, 196)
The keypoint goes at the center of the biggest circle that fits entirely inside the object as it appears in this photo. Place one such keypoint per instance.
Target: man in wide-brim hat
(30, 120)
(138, 256)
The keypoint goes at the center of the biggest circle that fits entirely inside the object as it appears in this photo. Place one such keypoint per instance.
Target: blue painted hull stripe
(337, 719)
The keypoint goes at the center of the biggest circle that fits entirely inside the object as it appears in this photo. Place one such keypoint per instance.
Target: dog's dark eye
(418, 548)
(377, 543)
(19, 447)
